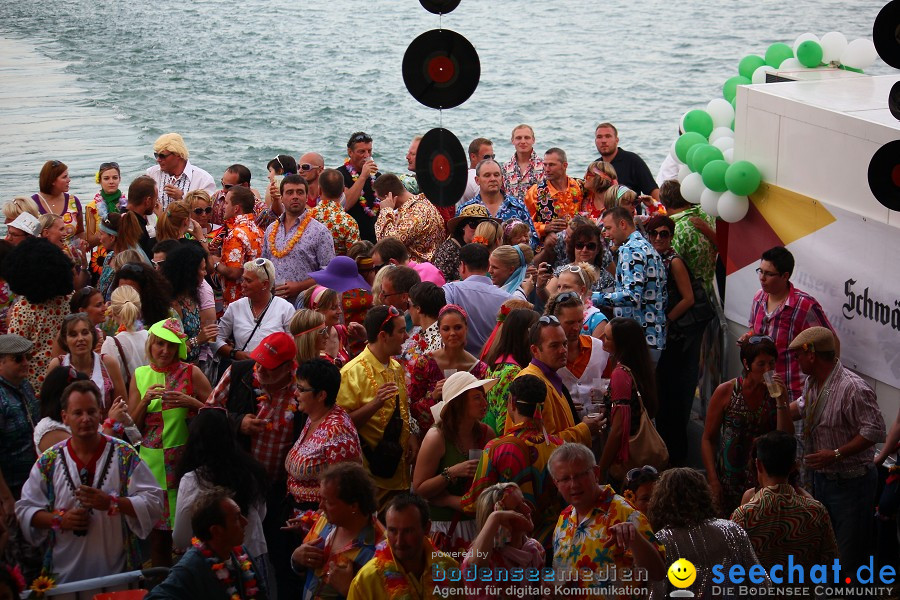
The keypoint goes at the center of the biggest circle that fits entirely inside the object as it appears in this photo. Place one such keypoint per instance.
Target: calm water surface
(84, 81)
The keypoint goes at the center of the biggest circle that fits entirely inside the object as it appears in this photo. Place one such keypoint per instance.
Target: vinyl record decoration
(886, 33)
(441, 69)
(441, 168)
(884, 175)
(439, 7)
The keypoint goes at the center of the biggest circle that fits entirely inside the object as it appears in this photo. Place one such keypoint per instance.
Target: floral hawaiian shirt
(515, 182)
(510, 208)
(694, 247)
(343, 227)
(640, 289)
(591, 544)
(242, 243)
(417, 224)
(546, 203)
(383, 578)
(264, 216)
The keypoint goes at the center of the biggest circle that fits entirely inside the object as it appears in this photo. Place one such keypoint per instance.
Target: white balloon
(720, 132)
(732, 208)
(791, 64)
(724, 143)
(721, 111)
(859, 54)
(683, 171)
(692, 187)
(803, 37)
(833, 45)
(672, 152)
(709, 201)
(759, 75)
(729, 155)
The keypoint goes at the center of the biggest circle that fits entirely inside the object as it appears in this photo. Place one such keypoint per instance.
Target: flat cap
(814, 339)
(11, 343)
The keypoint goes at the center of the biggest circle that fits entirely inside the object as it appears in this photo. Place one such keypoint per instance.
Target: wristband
(232, 354)
(56, 520)
(446, 475)
(837, 454)
(113, 509)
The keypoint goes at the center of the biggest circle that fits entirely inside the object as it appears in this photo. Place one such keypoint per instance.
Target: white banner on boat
(852, 267)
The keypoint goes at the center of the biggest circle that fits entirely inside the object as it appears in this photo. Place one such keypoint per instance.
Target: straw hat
(455, 387)
(472, 211)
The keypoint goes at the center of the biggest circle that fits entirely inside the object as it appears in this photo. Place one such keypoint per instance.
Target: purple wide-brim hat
(341, 275)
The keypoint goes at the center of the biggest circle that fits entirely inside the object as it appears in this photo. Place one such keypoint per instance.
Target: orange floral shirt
(545, 202)
(343, 227)
(242, 243)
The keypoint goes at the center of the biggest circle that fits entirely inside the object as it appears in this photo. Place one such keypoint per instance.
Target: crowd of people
(330, 387)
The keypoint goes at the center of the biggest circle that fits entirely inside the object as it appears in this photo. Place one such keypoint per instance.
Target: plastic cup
(771, 385)
(475, 454)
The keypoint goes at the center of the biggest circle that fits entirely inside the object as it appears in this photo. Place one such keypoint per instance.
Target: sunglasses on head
(589, 245)
(161, 156)
(131, 268)
(109, 165)
(360, 137)
(662, 234)
(638, 471)
(549, 320)
(200, 211)
(565, 296)
(393, 313)
(55, 163)
(756, 339)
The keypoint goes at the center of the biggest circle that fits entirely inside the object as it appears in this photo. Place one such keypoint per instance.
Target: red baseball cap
(274, 350)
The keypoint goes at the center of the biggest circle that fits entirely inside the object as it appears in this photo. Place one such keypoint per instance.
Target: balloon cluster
(709, 175)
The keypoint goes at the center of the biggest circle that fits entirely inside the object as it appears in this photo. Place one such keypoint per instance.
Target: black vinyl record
(886, 33)
(894, 100)
(884, 175)
(439, 7)
(441, 69)
(441, 168)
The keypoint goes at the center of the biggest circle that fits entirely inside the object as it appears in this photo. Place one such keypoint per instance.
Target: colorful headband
(365, 262)
(621, 191)
(509, 226)
(108, 230)
(521, 256)
(316, 295)
(454, 308)
(311, 329)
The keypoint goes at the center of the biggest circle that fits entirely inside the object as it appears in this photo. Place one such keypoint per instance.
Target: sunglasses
(566, 296)
(161, 156)
(157, 263)
(360, 137)
(570, 268)
(226, 186)
(393, 313)
(19, 358)
(589, 245)
(200, 211)
(488, 157)
(55, 163)
(638, 471)
(75, 317)
(756, 339)
(132, 268)
(766, 273)
(109, 165)
(549, 320)
(307, 167)
(662, 234)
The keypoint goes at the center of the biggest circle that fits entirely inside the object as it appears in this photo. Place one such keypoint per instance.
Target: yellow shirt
(360, 379)
(556, 414)
(382, 578)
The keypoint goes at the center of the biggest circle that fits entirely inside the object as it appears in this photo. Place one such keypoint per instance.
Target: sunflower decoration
(41, 585)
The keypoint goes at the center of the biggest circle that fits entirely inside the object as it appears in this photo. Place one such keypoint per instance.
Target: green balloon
(777, 54)
(685, 142)
(698, 121)
(742, 178)
(729, 90)
(704, 155)
(809, 53)
(734, 104)
(714, 175)
(749, 64)
(690, 154)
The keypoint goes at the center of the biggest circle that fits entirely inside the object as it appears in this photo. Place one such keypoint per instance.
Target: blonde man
(175, 176)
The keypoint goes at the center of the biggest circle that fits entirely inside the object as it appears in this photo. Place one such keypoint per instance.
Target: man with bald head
(310, 166)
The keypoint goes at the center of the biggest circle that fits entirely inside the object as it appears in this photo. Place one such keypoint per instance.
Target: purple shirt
(312, 253)
(482, 300)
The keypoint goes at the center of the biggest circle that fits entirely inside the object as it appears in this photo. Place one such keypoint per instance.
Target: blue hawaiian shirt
(510, 208)
(640, 289)
(19, 410)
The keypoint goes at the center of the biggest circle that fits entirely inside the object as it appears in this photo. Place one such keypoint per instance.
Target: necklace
(294, 238)
(376, 205)
(223, 571)
(268, 406)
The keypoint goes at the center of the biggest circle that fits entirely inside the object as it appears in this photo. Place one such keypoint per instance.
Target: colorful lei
(223, 570)
(294, 238)
(265, 410)
(376, 205)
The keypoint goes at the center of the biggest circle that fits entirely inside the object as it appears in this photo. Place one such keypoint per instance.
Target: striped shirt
(799, 311)
(781, 523)
(849, 408)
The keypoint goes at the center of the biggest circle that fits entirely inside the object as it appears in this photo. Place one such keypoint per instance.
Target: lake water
(84, 81)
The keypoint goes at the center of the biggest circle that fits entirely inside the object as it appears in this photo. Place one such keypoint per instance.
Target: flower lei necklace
(222, 571)
(294, 239)
(372, 212)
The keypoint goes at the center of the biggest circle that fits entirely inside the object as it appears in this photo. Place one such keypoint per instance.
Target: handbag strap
(258, 321)
(126, 373)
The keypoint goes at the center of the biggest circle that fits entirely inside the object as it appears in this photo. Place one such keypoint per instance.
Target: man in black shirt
(359, 171)
(630, 168)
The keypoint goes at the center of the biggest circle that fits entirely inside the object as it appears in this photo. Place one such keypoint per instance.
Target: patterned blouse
(335, 440)
(446, 259)
(423, 377)
(417, 224)
(242, 243)
(505, 371)
(422, 342)
(515, 182)
(41, 324)
(697, 251)
(343, 227)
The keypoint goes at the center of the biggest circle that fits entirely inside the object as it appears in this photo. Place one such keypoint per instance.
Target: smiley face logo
(682, 573)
